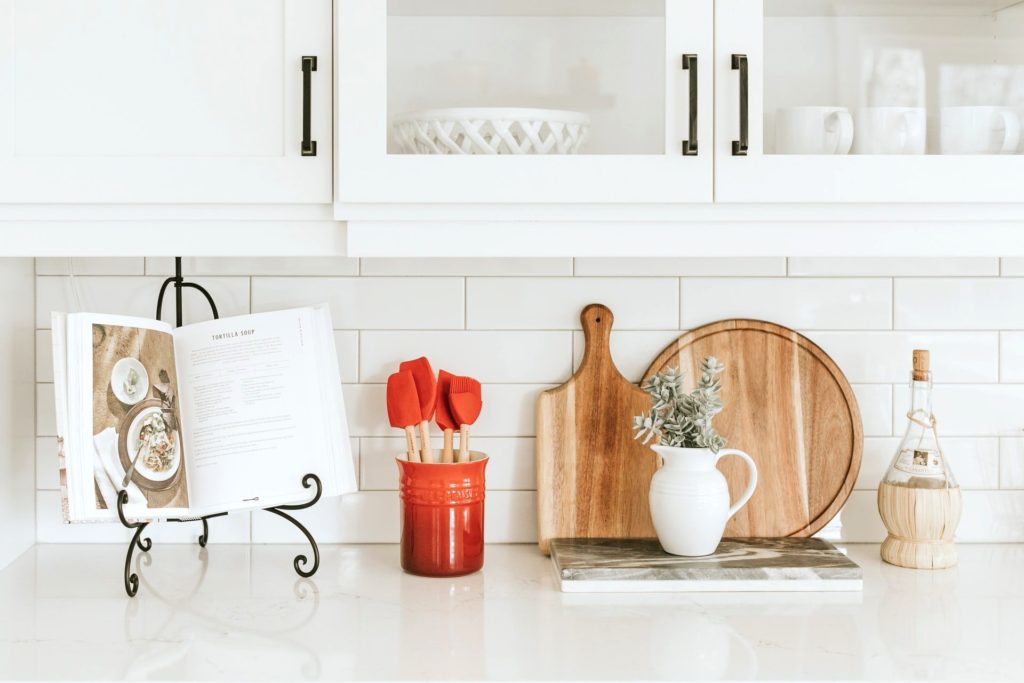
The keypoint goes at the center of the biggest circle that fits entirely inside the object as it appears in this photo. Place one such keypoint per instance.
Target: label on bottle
(920, 461)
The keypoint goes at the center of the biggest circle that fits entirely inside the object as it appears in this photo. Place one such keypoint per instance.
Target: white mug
(980, 130)
(890, 130)
(813, 130)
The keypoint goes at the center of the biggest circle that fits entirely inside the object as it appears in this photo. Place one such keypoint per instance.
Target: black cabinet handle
(308, 67)
(740, 147)
(690, 145)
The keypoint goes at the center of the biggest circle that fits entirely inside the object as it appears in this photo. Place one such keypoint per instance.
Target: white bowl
(120, 373)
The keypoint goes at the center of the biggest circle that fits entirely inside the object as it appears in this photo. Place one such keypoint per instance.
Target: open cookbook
(212, 417)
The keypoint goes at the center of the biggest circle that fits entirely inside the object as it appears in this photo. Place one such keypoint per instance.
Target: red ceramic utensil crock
(442, 516)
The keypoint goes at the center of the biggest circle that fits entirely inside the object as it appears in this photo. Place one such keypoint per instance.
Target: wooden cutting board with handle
(789, 406)
(592, 476)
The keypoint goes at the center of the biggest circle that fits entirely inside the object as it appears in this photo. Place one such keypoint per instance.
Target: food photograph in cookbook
(135, 418)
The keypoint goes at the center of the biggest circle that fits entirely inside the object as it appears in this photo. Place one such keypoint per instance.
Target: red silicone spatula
(443, 414)
(404, 409)
(465, 402)
(426, 390)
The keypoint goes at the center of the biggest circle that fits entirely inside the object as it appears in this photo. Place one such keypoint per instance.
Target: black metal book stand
(131, 580)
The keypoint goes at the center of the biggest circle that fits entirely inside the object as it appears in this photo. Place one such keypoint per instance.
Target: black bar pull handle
(741, 146)
(308, 67)
(690, 145)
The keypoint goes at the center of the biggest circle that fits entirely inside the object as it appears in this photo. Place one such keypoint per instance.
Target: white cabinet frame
(773, 178)
(367, 174)
(121, 83)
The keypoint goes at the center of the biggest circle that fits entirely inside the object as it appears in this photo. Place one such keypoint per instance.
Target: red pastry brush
(465, 402)
(426, 391)
(404, 409)
(443, 414)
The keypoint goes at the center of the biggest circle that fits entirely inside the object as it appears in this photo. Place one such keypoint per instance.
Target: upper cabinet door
(867, 101)
(150, 101)
(618, 93)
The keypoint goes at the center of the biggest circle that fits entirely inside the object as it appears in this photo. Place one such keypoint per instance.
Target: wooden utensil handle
(463, 443)
(410, 445)
(426, 454)
(449, 452)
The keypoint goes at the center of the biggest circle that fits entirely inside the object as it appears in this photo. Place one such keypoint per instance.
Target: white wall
(17, 409)
(513, 324)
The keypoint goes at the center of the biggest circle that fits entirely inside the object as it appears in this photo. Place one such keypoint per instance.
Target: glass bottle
(918, 498)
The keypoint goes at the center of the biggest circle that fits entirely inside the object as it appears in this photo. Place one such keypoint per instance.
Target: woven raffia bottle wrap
(918, 498)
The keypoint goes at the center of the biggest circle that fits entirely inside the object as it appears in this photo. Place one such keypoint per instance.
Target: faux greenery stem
(680, 419)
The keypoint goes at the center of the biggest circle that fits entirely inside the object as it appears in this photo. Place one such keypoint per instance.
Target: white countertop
(240, 613)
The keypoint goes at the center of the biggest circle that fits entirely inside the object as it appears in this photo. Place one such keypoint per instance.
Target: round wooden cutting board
(789, 406)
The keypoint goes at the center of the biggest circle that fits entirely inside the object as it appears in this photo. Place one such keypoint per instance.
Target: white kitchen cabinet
(158, 101)
(619, 62)
(932, 93)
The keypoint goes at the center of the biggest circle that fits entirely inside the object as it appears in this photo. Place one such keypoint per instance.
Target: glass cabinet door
(526, 101)
(869, 100)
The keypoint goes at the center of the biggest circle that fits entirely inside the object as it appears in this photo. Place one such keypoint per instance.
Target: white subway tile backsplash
(1011, 356)
(974, 461)
(1011, 462)
(369, 303)
(992, 516)
(136, 296)
(346, 343)
(970, 409)
(46, 411)
(845, 267)
(509, 409)
(813, 304)
(633, 352)
(959, 304)
(500, 356)
(556, 303)
(47, 478)
(1012, 267)
(50, 527)
(366, 409)
(858, 521)
(489, 267)
(691, 267)
(886, 356)
(363, 517)
(988, 516)
(514, 324)
(90, 266)
(875, 404)
(304, 266)
(510, 465)
(44, 356)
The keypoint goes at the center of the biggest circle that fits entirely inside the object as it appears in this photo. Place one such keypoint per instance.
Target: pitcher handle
(753, 478)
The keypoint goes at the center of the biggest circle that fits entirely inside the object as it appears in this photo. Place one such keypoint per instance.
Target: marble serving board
(608, 565)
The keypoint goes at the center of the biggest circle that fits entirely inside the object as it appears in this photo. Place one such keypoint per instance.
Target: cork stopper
(921, 365)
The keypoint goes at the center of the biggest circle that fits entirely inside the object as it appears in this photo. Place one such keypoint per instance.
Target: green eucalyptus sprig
(680, 419)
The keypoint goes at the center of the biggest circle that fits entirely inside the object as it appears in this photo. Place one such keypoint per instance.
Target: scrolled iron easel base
(302, 560)
(131, 579)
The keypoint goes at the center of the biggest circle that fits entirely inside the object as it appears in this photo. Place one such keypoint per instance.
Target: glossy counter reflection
(240, 613)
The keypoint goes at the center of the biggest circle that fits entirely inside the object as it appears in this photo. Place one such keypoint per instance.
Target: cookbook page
(252, 409)
(123, 409)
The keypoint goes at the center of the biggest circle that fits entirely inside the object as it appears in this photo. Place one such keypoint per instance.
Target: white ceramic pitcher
(690, 499)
